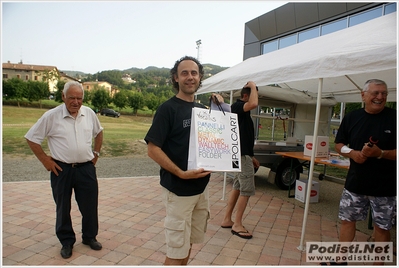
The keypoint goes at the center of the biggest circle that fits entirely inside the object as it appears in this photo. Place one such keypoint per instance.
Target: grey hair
(375, 82)
(70, 84)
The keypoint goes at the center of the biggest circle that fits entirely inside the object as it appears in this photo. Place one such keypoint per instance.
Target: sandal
(242, 234)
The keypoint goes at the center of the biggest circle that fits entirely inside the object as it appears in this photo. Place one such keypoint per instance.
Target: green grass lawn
(119, 133)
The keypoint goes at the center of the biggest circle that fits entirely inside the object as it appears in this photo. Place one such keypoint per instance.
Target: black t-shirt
(375, 177)
(246, 125)
(170, 130)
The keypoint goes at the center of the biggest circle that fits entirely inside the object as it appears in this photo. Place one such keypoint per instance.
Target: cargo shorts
(244, 181)
(354, 207)
(186, 222)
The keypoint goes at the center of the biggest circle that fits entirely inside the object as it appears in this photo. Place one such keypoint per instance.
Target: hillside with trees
(147, 87)
(136, 89)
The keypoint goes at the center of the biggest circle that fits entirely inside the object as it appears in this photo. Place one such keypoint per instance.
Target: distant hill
(74, 73)
(213, 69)
(209, 69)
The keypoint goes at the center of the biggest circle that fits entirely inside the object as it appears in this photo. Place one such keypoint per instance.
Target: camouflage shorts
(354, 207)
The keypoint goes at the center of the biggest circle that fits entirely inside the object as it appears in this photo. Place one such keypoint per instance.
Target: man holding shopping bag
(244, 182)
(185, 191)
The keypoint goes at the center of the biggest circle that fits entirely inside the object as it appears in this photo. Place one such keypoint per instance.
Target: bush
(26, 103)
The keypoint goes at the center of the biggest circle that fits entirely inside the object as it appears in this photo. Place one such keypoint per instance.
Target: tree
(14, 88)
(60, 88)
(51, 77)
(100, 98)
(88, 95)
(90, 77)
(36, 91)
(112, 77)
(136, 101)
(162, 100)
(120, 99)
(152, 102)
(204, 98)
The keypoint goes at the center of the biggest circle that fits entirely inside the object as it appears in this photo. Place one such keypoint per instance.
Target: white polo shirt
(69, 139)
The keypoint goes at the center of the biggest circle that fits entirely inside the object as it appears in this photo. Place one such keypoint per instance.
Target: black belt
(73, 165)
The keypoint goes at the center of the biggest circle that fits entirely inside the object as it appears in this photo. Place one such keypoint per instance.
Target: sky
(95, 36)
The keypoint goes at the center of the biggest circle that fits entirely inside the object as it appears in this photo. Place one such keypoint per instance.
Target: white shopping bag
(214, 141)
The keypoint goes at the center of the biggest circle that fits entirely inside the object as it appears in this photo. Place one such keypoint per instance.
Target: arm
(356, 156)
(156, 154)
(98, 142)
(375, 151)
(252, 102)
(255, 162)
(46, 160)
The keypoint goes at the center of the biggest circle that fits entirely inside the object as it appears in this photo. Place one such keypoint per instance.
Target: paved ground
(132, 233)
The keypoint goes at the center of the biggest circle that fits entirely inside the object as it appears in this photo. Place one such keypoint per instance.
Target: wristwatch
(382, 154)
(96, 153)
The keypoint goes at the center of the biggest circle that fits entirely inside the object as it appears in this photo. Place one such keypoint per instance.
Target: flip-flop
(241, 232)
(230, 226)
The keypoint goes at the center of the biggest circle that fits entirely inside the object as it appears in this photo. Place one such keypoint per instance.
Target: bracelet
(96, 153)
(382, 154)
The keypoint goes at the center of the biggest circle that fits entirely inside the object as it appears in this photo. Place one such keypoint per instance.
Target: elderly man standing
(368, 137)
(70, 129)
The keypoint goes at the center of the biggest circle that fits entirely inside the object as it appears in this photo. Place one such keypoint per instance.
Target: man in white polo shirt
(70, 129)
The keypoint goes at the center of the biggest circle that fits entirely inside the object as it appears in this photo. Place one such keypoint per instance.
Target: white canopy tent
(330, 68)
(344, 59)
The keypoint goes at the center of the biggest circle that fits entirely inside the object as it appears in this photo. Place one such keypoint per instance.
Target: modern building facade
(296, 22)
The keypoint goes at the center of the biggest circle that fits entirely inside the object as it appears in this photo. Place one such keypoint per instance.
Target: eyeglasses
(376, 93)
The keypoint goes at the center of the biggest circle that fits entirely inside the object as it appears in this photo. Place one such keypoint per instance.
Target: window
(35, 77)
(18, 76)
(26, 77)
(334, 26)
(5, 76)
(327, 28)
(365, 16)
(390, 8)
(309, 34)
(287, 41)
(269, 46)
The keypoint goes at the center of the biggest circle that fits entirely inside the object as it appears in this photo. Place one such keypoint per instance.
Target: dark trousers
(83, 180)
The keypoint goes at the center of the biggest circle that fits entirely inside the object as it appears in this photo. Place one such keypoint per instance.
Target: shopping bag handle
(217, 103)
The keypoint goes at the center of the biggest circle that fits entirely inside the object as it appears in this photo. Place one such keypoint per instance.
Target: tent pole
(310, 178)
(342, 112)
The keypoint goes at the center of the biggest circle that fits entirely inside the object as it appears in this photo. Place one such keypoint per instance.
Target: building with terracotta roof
(89, 86)
(32, 72)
